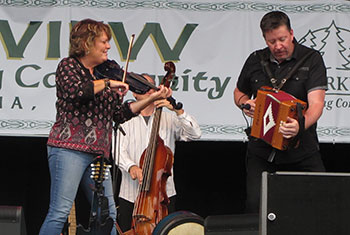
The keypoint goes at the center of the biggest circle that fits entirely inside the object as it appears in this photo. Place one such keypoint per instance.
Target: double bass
(156, 162)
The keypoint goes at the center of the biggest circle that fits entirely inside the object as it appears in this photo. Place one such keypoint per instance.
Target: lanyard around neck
(273, 80)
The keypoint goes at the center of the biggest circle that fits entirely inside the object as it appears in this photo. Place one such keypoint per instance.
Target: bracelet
(239, 99)
(107, 84)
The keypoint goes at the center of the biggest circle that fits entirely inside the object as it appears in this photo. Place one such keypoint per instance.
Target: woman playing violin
(86, 108)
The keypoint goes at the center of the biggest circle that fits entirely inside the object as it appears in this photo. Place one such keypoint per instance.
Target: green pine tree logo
(335, 57)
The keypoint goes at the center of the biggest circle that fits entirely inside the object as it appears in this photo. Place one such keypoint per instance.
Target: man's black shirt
(311, 75)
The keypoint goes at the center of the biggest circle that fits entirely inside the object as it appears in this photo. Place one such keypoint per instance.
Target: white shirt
(131, 146)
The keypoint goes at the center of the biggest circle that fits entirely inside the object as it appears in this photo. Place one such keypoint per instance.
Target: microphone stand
(117, 125)
(115, 157)
(115, 162)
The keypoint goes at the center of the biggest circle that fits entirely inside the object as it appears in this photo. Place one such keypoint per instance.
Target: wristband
(239, 99)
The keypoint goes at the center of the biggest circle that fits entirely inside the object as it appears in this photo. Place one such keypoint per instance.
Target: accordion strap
(273, 80)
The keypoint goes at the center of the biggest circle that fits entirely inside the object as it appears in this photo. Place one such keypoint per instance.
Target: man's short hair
(273, 20)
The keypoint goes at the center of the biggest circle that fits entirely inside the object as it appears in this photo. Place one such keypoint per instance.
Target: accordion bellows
(271, 108)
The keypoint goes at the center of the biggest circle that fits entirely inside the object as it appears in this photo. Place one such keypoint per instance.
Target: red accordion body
(271, 108)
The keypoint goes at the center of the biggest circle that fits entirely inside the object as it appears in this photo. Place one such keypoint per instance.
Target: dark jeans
(126, 208)
(256, 165)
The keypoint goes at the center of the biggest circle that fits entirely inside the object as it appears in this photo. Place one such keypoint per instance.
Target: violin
(111, 69)
(137, 83)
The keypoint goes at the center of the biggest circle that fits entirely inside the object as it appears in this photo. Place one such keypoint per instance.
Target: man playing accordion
(270, 67)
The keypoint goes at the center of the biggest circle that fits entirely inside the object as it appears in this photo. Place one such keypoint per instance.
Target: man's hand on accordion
(290, 128)
(251, 104)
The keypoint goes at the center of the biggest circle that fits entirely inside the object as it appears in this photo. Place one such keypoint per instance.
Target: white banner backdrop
(208, 42)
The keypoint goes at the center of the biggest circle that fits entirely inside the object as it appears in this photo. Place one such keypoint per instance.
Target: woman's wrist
(107, 83)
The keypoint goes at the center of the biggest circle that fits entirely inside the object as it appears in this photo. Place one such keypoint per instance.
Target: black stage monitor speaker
(239, 224)
(305, 203)
(12, 221)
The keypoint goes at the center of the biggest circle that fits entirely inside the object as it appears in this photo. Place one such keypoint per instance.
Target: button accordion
(272, 107)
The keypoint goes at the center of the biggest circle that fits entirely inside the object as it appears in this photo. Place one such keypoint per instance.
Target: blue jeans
(68, 169)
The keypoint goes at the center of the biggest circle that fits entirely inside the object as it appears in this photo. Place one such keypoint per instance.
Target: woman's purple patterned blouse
(84, 121)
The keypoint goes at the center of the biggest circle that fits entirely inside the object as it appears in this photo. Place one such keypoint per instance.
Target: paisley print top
(84, 120)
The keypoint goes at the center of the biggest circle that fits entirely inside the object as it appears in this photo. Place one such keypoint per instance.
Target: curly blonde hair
(83, 35)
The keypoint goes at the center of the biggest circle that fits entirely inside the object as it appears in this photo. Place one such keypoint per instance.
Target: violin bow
(121, 98)
(128, 57)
